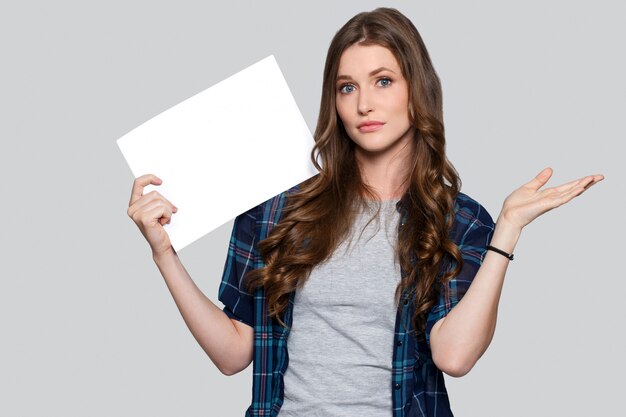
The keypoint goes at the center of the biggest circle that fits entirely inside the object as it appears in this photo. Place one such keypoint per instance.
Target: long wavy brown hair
(320, 214)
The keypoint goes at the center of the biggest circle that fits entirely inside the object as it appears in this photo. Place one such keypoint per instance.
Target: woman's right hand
(150, 212)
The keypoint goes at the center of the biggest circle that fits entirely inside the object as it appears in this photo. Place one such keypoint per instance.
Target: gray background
(88, 326)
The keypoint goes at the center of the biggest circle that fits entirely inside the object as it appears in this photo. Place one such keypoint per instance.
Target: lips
(370, 126)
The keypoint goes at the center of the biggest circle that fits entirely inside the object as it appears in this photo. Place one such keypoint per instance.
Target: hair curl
(319, 216)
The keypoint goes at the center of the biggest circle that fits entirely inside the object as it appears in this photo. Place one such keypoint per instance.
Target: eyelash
(341, 87)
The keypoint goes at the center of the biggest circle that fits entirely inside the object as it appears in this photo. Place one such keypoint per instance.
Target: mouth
(370, 126)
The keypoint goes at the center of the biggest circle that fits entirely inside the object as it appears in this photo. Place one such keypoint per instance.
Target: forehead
(361, 59)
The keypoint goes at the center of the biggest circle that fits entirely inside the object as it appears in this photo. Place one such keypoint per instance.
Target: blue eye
(385, 82)
(343, 88)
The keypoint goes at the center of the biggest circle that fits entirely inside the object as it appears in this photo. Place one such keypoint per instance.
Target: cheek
(341, 112)
(401, 100)
(403, 109)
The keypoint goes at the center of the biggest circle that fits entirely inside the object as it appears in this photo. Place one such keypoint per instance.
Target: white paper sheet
(224, 150)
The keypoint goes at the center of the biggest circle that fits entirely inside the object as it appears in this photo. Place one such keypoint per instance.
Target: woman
(311, 287)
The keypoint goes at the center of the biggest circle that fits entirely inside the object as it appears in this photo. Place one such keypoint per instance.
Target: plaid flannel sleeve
(472, 233)
(241, 258)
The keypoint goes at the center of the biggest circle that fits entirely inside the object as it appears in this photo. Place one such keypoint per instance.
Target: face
(372, 99)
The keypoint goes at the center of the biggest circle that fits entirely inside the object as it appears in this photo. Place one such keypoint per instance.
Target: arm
(227, 342)
(458, 340)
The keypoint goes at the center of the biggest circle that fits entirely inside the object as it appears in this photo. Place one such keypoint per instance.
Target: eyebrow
(374, 72)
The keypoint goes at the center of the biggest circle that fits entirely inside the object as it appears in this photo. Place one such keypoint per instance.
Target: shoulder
(470, 215)
(273, 204)
(262, 218)
(273, 207)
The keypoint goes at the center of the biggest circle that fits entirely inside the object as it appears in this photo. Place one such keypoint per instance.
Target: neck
(386, 174)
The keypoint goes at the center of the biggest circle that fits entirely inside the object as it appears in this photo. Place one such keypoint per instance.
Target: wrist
(161, 255)
(505, 235)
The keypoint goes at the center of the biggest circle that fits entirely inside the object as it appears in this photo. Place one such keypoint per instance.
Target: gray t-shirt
(341, 341)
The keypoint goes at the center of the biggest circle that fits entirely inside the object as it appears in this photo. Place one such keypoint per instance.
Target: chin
(373, 149)
(374, 145)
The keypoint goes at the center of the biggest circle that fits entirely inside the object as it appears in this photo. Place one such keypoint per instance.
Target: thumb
(540, 179)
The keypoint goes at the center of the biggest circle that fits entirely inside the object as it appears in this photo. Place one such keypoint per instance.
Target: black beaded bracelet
(501, 252)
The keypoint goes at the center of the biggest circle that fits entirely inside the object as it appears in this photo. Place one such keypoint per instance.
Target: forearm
(461, 338)
(210, 326)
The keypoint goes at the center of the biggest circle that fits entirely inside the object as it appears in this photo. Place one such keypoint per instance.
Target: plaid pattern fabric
(418, 388)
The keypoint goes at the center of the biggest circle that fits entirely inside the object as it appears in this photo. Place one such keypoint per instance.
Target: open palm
(528, 202)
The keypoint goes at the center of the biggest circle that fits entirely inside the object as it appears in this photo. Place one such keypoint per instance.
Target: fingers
(157, 210)
(151, 211)
(139, 202)
(140, 183)
(541, 178)
(596, 179)
(576, 188)
(569, 185)
(146, 199)
(592, 180)
(589, 180)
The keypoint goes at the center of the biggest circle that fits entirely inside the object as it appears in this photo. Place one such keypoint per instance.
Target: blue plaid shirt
(417, 386)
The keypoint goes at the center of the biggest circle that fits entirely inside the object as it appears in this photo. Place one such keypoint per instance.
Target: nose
(364, 105)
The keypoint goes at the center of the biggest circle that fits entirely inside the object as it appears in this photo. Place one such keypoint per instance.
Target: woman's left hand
(527, 203)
